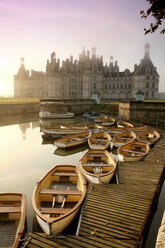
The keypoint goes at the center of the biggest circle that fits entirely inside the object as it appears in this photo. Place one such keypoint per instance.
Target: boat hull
(57, 226)
(48, 115)
(99, 180)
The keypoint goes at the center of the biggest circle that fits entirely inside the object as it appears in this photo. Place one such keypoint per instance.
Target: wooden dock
(115, 215)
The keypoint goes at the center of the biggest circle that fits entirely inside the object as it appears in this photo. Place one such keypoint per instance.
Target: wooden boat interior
(125, 137)
(149, 136)
(60, 193)
(75, 138)
(101, 137)
(97, 163)
(135, 150)
(10, 213)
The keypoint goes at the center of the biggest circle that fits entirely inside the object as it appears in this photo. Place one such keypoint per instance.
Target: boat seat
(97, 165)
(96, 155)
(133, 151)
(54, 210)
(10, 209)
(62, 173)
(60, 192)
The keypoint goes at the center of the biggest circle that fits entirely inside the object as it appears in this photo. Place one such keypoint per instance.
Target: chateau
(88, 78)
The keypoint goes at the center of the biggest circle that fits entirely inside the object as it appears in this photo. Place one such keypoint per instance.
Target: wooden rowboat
(99, 140)
(149, 136)
(49, 115)
(98, 166)
(73, 140)
(59, 131)
(57, 198)
(126, 124)
(123, 138)
(116, 130)
(75, 127)
(109, 121)
(100, 118)
(12, 219)
(95, 127)
(133, 151)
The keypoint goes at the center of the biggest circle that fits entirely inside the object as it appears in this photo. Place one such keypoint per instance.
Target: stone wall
(141, 110)
(20, 108)
(76, 106)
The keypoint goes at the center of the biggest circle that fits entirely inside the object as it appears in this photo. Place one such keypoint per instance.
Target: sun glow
(6, 75)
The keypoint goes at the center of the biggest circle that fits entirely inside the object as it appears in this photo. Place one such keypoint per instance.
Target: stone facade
(86, 77)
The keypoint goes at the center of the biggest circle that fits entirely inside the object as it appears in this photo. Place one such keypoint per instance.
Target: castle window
(147, 70)
(129, 86)
(147, 77)
(147, 85)
(153, 85)
(152, 93)
(147, 94)
(153, 77)
(106, 86)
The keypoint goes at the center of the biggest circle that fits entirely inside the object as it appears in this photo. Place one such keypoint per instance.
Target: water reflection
(70, 150)
(24, 159)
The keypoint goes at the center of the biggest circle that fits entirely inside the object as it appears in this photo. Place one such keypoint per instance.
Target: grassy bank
(18, 100)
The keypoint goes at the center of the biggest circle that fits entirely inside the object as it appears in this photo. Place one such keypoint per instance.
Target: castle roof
(145, 64)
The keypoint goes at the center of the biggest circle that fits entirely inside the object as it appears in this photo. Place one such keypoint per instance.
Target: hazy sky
(33, 29)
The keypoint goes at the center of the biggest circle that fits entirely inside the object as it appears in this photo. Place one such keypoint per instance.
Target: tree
(157, 10)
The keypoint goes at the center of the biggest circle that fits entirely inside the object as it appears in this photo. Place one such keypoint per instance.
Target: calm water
(25, 157)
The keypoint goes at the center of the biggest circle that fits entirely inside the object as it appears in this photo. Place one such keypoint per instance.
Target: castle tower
(53, 57)
(22, 62)
(93, 52)
(147, 50)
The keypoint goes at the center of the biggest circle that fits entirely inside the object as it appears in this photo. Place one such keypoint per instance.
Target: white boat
(73, 140)
(49, 115)
(98, 166)
(75, 127)
(99, 140)
(12, 219)
(57, 198)
(59, 131)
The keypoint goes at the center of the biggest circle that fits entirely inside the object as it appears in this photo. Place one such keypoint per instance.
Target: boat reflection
(70, 150)
(53, 123)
